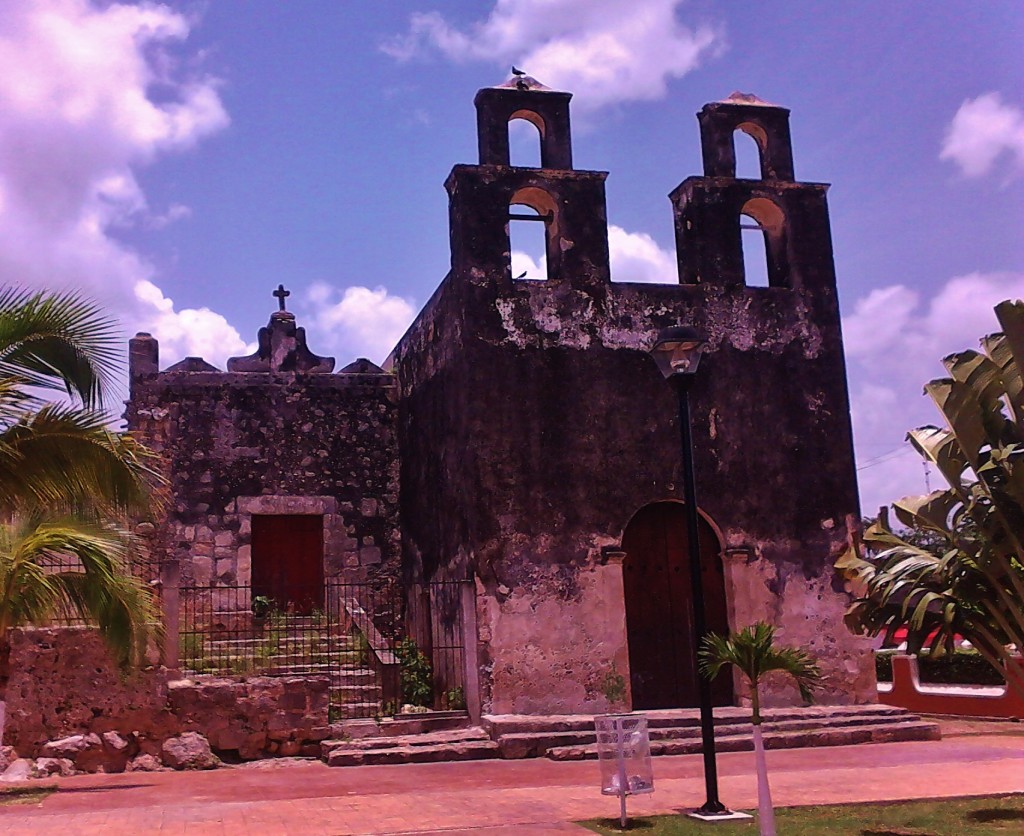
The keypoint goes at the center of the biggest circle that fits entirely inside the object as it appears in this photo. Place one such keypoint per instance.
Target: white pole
(765, 811)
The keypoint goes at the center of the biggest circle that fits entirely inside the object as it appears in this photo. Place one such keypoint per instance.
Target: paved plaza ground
(499, 797)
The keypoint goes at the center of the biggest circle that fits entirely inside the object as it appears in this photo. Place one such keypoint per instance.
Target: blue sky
(179, 160)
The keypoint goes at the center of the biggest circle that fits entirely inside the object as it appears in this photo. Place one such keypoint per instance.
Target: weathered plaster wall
(556, 642)
(545, 426)
(236, 444)
(64, 683)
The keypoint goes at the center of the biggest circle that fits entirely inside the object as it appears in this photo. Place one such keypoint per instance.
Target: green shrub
(454, 699)
(964, 667)
(417, 674)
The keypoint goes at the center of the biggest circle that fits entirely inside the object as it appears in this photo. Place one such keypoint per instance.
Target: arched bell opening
(532, 230)
(763, 238)
(526, 139)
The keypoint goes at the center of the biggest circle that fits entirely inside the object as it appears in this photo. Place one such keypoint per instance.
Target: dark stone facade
(533, 413)
(240, 443)
(521, 425)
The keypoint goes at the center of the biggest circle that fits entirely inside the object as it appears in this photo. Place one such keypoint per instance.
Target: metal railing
(381, 645)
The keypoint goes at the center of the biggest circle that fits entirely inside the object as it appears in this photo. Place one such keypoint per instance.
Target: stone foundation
(63, 683)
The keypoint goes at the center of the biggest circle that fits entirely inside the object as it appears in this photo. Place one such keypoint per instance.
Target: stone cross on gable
(281, 294)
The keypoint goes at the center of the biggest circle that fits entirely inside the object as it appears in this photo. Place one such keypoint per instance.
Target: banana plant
(971, 583)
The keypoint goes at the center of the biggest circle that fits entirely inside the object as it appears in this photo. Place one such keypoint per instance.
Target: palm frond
(752, 651)
(60, 457)
(58, 341)
(104, 591)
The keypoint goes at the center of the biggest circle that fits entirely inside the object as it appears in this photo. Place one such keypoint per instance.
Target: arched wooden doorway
(659, 622)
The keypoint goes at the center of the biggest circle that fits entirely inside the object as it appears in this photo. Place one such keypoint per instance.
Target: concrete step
(356, 710)
(537, 744)
(882, 732)
(415, 739)
(429, 747)
(501, 724)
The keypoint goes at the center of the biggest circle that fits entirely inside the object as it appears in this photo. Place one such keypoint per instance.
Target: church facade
(519, 435)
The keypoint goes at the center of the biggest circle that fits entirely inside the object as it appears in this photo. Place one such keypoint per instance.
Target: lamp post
(677, 353)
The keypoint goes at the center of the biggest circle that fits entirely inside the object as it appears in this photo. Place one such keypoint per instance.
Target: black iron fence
(383, 646)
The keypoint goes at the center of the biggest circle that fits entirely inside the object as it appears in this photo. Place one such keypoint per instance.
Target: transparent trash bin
(624, 755)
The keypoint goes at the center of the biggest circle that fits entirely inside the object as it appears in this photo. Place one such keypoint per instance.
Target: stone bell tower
(539, 445)
(569, 203)
(792, 216)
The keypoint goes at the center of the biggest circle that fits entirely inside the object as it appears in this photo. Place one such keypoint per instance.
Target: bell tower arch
(484, 198)
(711, 212)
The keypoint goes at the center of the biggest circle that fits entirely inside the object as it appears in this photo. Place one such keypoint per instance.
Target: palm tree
(65, 477)
(97, 587)
(752, 651)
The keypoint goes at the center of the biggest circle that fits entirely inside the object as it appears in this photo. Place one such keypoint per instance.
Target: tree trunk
(765, 811)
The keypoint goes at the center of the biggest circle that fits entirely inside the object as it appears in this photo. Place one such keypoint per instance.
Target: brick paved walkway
(498, 797)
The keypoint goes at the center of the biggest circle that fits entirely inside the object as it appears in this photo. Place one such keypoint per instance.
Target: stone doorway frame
(335, 535)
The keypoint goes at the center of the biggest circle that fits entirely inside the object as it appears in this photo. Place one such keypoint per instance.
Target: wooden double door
(659, 616)
(288, 560)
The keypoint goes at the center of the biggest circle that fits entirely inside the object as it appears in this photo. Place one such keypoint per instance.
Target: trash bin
(624, 755)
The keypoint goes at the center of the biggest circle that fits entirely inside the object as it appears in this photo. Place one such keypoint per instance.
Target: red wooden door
(659, 619)
(288, 560)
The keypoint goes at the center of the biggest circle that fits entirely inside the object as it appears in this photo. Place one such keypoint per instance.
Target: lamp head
(677, 350)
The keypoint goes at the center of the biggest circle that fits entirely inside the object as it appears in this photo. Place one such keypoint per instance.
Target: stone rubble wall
(234, 445)
(63, 684)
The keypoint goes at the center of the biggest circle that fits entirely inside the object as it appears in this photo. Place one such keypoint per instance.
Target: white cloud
(895, 340)
(983, 131)
(633, 256)
(362, 322)
(89, 92)
(604, 51)
(190, 332)
(525, 266)
(636, 257)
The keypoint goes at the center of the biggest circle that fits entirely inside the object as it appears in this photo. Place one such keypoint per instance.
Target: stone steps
(427, 747)
(889, 732)
(572, 737)
(678, 732)
(539, 743)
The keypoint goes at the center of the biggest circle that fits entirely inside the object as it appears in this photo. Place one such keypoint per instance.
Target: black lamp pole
(677, 354)
(707, 720)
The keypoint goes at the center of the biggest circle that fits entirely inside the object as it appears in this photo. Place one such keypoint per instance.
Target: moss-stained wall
(235, 444)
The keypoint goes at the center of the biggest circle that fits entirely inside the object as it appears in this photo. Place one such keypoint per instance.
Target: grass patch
(9, 796)
(996, 816)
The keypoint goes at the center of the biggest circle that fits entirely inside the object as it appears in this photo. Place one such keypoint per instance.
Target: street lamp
(677, 352)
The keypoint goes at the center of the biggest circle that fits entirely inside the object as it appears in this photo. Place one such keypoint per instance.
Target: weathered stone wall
(238, 444)
(549, 427)
(537, 425)
(63, 683)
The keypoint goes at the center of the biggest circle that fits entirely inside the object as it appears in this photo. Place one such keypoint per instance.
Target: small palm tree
(752, 651)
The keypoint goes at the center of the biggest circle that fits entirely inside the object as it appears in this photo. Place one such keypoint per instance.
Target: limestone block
(66, 747)
(19, 770)
(289, 748)
(188, 751)
(253, 746)
(7, 757)
(45, 767)
(144, 763)
(369, 556)
(202, 569)
(224, 538)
